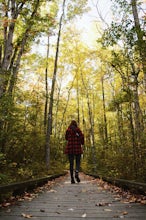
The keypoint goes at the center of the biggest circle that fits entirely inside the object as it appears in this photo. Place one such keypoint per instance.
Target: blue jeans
(77, 158)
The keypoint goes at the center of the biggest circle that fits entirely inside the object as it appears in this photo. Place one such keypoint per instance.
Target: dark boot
(77, 176)
(72, 180)
(72, 177)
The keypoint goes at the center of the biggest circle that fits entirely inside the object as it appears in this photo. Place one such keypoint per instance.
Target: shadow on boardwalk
(65, 201)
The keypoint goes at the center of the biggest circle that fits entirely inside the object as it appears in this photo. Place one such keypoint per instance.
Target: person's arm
(66, 135)
(81, 137)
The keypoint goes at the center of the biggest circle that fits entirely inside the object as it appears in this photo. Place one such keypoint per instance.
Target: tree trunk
(10, 56)
(104, 114)
(8, 50)
(91, 120)
(120, 124)
(65, 108)
(138, 122)
(78, 102)
(15, 60)
(49, 125)
(141, 40)
(46, 87)
(135, 161)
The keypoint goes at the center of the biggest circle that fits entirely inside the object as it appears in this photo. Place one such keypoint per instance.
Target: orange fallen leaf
(6, 204)
(125, 213)
(143, 202)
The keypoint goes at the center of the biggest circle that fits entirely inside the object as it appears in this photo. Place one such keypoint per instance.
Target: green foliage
(3, 178)
(123, 97)
(75, 8)
(117, 32)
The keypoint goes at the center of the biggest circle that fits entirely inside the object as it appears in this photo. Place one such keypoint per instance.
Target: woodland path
(90, 199)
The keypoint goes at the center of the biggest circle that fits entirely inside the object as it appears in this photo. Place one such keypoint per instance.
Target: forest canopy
(50, 75)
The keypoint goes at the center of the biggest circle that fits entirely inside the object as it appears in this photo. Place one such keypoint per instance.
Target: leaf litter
(29, 196)
(120, 194)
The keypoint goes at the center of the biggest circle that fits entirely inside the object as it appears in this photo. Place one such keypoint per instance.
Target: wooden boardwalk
(65, 201)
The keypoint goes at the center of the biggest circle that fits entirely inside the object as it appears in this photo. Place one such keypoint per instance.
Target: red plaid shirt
(75, 139)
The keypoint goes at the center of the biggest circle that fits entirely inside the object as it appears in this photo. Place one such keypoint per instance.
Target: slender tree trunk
(56, 124)
(49, 123)
(104, 114)
(138, 122)
(90, 114)
(135, 161)
(91, 120)
(120, 124)
(46, 87)
(141, 40)
(78, 102)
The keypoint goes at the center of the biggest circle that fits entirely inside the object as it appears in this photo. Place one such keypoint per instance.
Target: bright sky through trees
(92, 22)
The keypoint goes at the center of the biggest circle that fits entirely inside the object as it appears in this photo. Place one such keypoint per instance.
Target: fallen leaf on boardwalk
(125, 202)
(117, 199)
(125, 213)
(42, 210)
(53, 191)
(84, 191)
(84, 215)
(29, 196)
(108, 210)
(132, 199)
(103, 204)
(71, 209)
(20, 199)
(6, 204)
(116, 216)
(26, 215)
(143, 202)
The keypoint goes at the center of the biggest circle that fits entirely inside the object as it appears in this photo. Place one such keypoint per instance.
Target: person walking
(75, 138)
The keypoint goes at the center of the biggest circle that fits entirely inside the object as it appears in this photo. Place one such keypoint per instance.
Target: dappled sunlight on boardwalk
(90, 199)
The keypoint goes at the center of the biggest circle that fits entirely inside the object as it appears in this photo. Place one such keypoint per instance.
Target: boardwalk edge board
(135, 187)
(21, 187)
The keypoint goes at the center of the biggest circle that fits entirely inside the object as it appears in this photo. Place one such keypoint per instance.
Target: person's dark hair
(73, 123)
